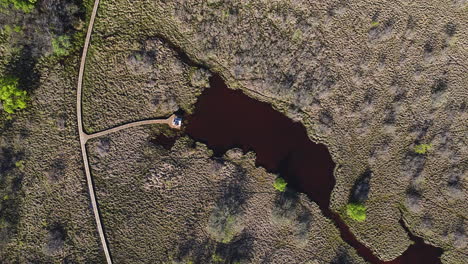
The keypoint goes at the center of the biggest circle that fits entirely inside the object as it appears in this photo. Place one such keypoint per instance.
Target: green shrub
(280, 184)
(11, 96)
(23, 5)
(422, 148)
(7, 29)
(217, 258)
(61, 45)
(19, 164)
(17, 29)
(297, 36)
(356, 211)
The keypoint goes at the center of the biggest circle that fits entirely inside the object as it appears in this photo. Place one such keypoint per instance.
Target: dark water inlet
(226, 118)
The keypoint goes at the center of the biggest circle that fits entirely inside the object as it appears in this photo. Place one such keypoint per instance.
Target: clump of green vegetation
(11, 96)
(356, 211)
(19, 164)
(375, 24)
(297, 36)
(61, 45)
(229, 232)
(23, 5)
(422, 148)
(7, 29)
(280, 184)
(216, 258)
(17, 29)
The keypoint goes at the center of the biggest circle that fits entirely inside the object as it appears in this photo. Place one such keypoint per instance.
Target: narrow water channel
(226, 118)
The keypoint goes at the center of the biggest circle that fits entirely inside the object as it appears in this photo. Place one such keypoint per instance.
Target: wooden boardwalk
(85, 137)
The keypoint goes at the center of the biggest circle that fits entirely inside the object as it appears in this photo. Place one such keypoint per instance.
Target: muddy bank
(226, 118)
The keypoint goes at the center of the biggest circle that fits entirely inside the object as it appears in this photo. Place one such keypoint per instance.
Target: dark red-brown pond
(226, 118)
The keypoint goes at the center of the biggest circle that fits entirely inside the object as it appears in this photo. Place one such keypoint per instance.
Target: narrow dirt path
(85, 137)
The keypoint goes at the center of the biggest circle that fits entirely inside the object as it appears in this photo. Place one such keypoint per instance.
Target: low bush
(23, 5)
(422, 148)
(280, 184)
(356, 211)
(61, 45)
(11, 96)
(217, 258)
